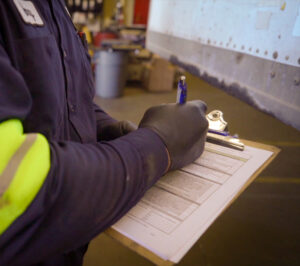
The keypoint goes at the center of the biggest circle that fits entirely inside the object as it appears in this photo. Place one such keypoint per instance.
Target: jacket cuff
(152, 151)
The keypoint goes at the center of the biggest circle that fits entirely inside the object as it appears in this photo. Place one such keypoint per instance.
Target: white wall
(262, 26)
(249, 48)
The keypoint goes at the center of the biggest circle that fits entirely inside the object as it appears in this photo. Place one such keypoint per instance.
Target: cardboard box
(159, 75)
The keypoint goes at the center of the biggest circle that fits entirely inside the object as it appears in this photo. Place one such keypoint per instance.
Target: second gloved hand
(117, 129)
(183, 129)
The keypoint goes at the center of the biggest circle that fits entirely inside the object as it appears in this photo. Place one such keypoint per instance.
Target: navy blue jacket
(46, 82)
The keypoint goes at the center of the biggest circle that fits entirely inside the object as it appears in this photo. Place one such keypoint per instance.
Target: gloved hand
(182, 128)
(117, 129)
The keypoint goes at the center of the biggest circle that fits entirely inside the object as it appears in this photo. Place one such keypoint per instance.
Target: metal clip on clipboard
(218, 131)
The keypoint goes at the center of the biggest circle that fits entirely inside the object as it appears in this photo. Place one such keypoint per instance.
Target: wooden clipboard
(158, 260)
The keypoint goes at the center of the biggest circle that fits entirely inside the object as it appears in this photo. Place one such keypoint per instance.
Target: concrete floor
(262, 227)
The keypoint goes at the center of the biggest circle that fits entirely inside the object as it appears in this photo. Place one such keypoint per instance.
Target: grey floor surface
(262, 227)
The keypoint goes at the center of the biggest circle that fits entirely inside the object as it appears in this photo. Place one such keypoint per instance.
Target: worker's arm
(56, 196)
(109, 128)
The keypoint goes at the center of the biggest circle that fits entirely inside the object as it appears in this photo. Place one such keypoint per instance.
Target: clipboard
(157, 260)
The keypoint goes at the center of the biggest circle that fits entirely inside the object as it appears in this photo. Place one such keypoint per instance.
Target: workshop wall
(251, 48)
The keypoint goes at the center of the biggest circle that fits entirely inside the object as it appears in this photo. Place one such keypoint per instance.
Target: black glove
(117, 129)
(182, 128)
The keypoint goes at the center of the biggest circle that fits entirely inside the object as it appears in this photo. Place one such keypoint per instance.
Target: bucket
(110, 74)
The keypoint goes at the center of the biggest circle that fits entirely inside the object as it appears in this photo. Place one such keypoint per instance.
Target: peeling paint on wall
(296, 29)
(262, 20)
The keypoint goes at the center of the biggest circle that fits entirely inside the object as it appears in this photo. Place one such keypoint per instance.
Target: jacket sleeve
(62, 194)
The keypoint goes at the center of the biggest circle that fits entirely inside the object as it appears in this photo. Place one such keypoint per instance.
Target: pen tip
(182, 80)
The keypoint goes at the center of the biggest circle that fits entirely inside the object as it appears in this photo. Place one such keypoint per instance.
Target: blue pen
(222, 133)
(181, 91)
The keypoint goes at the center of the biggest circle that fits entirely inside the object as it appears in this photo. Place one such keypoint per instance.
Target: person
(67, 169)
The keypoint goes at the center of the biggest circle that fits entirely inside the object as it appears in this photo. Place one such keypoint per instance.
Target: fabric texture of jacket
(46, 82)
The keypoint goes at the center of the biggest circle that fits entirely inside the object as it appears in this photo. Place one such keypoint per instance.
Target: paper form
(221, 163)
(183, 204)
(169, 203)
(188, 186)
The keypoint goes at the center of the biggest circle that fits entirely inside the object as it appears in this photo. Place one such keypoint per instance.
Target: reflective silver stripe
(12, 166)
